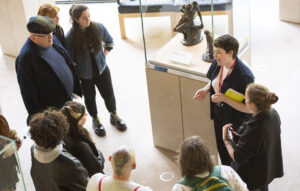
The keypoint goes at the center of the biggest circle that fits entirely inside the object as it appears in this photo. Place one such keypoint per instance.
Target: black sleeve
(88, 159)
(245, 81)
(28, 86)
(248, 145)
(211, 69)
(76, 174)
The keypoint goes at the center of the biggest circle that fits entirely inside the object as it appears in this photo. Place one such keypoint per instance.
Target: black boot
(116, 121)
(98, 127)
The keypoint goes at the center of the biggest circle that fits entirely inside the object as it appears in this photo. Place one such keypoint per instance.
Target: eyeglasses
(43, 36)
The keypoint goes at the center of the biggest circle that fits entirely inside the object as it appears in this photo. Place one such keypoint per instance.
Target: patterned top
(234, 180)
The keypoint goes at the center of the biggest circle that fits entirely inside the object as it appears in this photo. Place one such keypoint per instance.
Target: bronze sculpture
(190, 28)
(208, 56)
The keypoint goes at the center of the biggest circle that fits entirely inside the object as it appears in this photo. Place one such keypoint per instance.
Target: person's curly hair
(48, 128)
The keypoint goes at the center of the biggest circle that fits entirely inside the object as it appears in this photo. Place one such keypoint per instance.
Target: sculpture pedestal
(289, 10)
(175, 115)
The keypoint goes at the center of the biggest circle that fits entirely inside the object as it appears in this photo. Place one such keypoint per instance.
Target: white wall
(14, 15)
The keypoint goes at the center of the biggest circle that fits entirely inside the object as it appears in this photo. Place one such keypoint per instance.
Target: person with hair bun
(50, 10)
(89, 43)
(78, 141)
(256, 151)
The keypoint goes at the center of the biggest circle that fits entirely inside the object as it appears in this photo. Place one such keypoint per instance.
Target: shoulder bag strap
(191, 182)
(100, 182)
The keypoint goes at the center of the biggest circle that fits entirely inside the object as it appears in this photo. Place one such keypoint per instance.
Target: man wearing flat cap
(45, 71)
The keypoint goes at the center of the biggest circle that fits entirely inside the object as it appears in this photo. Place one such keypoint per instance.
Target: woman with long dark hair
(257, 155)
(78, 141)
(89, 43)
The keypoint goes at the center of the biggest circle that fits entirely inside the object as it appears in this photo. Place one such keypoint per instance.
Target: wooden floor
(275, 62)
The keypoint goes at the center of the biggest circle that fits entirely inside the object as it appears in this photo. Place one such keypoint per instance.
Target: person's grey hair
(121, 157)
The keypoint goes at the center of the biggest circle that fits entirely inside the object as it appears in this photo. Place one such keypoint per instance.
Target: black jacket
(40, 87)
(87, 154)
(258, 153)
(64, 173)
(59, 33)
(238, 80)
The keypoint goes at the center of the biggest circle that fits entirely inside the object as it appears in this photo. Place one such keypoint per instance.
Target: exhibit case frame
(175, 71)
(11, 172)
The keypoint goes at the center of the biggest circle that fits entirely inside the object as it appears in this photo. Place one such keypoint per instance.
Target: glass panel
(11, 177)
(160, 17)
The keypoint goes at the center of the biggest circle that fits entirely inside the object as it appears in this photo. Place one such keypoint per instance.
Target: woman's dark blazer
(238, 80)
(59, 33)
(257, 155)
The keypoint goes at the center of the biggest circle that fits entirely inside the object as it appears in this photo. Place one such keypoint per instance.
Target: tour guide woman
(84, 42)
(257, 155)
(226, 71)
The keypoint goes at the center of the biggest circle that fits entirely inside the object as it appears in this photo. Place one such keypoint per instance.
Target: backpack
(213, 182)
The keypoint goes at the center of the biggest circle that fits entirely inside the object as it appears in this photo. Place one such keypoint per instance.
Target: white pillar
(14, 15)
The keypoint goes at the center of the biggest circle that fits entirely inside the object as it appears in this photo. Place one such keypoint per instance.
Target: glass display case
(159, 17)
(176, 71)
(11, 177)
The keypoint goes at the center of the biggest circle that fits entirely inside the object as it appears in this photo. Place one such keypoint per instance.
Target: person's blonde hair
(121, 158)
(49, 10)
(261, 96)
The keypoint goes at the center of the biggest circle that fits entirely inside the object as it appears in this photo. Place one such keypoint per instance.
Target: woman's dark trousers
(104, 85)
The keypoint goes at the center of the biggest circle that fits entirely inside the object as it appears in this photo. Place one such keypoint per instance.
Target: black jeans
(104, 85)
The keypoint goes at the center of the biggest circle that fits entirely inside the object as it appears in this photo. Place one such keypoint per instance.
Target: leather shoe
(98, 127)
(116, 121)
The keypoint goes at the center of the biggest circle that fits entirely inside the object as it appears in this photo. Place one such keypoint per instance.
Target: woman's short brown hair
(261, 96)
(194, 157)
(228, 43)
(48, 128)
(49, 10)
